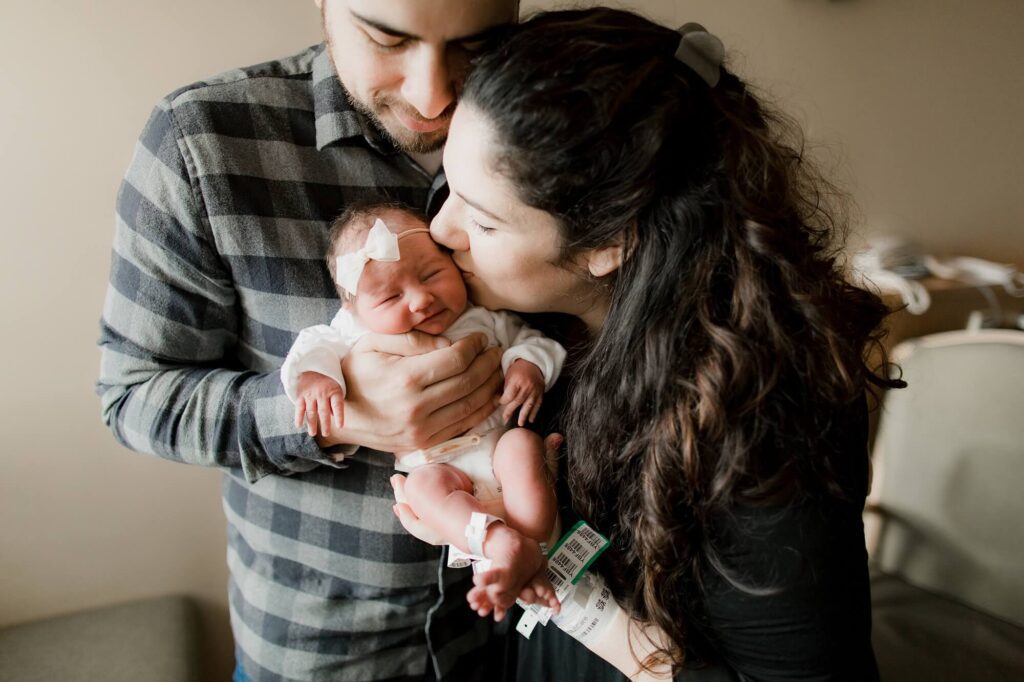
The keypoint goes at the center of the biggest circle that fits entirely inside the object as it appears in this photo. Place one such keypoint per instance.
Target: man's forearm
(198, 415)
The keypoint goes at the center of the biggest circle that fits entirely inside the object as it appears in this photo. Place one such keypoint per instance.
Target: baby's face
(422, 291)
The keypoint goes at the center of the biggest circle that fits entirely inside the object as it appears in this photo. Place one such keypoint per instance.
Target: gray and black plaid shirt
(217, 264)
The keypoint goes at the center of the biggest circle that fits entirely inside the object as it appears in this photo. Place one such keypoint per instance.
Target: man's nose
(427, 86)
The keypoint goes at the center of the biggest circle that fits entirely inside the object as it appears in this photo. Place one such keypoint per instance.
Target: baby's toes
(477, 598)
(486, 578)
(527, 595)
(544, 591)
(499, 595)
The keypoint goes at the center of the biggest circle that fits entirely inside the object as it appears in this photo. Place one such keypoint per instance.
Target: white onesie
(322, 347)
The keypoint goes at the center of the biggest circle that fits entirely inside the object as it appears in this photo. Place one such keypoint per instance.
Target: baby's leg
(530, 509)
(442, 496)
(529, 497)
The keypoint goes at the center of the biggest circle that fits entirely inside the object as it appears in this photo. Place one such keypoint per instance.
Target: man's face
(403, 61)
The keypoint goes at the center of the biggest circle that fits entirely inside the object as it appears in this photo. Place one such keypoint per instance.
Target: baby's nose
(420, 300)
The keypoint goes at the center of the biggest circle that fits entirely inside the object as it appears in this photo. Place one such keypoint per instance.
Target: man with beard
(217, 264)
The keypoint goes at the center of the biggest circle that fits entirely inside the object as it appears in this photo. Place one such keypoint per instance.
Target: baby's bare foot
(517, 565)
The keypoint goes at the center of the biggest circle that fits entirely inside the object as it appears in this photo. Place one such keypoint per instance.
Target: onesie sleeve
(317, 349)
(522, 342)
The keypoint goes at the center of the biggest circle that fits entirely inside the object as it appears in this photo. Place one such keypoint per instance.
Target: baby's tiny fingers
(338, 410)
(526, 411)
(324, 415)
(535, 410)
(300, 412)
(311, 422)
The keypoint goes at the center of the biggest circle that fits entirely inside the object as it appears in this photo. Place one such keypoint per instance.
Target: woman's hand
(411, 391)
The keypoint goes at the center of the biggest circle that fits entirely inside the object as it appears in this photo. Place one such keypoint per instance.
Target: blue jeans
(239, 675)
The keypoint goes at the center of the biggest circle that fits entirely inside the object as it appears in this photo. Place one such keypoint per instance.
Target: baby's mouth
(432, 316)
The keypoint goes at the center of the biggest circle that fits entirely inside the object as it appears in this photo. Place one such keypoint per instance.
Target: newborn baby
(487, 490)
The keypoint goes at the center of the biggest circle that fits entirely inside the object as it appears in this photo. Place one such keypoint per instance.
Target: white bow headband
(381, 245)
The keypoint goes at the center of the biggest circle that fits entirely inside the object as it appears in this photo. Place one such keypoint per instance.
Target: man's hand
(321, 402)
(410, 391)
(524, 388)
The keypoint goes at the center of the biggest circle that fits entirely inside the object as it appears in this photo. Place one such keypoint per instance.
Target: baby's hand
(524, 389)
(321, 402)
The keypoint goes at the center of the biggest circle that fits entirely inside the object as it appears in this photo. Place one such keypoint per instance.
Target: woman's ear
(605, 260)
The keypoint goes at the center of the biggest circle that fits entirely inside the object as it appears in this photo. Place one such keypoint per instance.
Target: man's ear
(605, 260)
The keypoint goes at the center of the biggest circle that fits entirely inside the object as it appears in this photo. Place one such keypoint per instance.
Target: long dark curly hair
(732, 340)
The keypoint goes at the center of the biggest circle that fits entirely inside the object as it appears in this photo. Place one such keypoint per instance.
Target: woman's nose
(446, 231)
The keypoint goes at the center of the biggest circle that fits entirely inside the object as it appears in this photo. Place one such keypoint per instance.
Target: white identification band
(476, 531)
(568, 562)
(587, 611)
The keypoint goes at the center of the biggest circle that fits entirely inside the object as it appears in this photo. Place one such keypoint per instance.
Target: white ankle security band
(476, 531)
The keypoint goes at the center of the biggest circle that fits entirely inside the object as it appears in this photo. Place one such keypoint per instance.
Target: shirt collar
(335, 118)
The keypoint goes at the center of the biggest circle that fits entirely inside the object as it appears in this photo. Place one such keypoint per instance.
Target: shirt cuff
(269, 441)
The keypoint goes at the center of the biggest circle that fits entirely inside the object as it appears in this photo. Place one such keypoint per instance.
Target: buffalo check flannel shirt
(218, 262)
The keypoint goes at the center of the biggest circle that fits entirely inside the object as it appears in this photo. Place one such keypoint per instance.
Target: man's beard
(413, 142)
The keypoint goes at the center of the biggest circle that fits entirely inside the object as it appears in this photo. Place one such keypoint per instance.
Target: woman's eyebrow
(478, 207)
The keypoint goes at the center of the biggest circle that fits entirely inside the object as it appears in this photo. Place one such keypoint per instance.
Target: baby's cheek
(386, 321)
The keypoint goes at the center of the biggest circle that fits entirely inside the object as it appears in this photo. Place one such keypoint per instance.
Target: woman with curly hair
(612, 169)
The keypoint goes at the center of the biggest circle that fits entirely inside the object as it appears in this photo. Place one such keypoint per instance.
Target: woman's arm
(590, 615)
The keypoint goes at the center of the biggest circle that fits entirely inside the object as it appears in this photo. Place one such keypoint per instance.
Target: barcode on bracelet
(558, 580)
(577, 550)
(566, 562)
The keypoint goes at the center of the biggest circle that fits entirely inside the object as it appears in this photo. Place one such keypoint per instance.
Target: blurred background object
(944, 514)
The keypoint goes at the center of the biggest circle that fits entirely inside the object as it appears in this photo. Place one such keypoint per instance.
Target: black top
(816, 624)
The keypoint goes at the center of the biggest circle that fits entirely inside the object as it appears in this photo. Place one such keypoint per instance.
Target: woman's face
(506, 250)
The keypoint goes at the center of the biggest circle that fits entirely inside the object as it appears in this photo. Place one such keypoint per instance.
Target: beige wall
(921, 102)
(83, 521)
